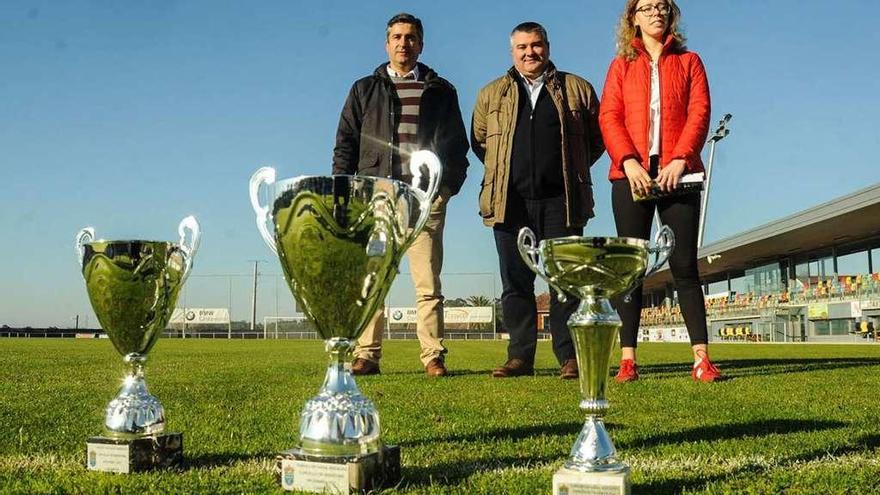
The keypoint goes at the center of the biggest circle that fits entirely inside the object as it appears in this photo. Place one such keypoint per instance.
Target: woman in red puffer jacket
(654, 117)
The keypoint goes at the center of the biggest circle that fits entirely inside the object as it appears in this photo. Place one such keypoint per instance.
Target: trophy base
(361, 473)
(570, 482)
(116, 455)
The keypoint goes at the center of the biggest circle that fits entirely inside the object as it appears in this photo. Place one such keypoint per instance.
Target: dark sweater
(536, 157)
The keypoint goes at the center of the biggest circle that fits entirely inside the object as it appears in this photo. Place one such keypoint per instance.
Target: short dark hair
(406, 19)
(530, 27)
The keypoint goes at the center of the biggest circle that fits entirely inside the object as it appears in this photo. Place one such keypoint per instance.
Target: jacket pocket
(574, 123)
(493, 121)
(368, 164)
(487, 193)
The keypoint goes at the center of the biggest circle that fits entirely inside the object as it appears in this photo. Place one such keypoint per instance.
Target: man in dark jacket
(536, 131)
(404, 106)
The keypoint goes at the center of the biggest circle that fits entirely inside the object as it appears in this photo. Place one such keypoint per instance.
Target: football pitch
(791, 418)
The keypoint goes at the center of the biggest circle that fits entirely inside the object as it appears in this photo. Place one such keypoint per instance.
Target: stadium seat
(864, 329)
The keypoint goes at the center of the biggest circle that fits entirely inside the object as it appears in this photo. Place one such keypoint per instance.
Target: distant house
(543, 302)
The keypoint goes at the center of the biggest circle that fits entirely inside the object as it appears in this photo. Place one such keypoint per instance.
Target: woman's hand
(639, 180)
(668, 176)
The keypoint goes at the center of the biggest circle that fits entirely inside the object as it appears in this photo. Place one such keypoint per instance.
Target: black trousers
(682, 215)
(546, 218)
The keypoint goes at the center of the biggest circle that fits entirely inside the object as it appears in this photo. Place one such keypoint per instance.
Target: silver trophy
(593, 269)
(340, 239)
(133, 287)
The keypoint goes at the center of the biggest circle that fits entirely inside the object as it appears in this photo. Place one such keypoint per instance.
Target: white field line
(716, 463)
(720, 463)
(674, 463)
(77, 462)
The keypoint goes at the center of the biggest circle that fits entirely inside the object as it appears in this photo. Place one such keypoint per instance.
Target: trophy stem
(135, 364)
(594, 327)
(339, 421)
(338, 379)
(134, 412)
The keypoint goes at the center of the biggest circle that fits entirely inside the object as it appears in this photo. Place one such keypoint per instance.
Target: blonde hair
(627, 30)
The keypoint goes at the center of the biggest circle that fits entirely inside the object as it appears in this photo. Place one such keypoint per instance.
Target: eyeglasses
(661, 8)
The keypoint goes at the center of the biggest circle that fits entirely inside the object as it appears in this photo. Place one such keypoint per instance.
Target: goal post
(288, 327)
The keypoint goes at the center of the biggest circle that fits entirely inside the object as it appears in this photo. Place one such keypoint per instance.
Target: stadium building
(809, 277)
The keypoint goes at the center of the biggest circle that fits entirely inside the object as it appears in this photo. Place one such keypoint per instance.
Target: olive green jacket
(492, 130)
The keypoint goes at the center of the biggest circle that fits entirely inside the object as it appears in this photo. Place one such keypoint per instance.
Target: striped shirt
(409, 91)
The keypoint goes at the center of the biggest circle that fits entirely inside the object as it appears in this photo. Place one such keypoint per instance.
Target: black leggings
(682, 215)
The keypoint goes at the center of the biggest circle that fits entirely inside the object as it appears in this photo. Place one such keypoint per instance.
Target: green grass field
(792, 419)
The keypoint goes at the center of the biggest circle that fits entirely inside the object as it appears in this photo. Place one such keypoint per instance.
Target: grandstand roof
(847, 220)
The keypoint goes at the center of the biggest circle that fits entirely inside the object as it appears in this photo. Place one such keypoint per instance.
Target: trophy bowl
(594, 269)
(133, 287)
(339, 240)
(594, 265)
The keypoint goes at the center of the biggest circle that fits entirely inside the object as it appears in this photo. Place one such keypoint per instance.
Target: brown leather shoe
(361, 367)
(513, 367)
(436, 367)
(569, 369)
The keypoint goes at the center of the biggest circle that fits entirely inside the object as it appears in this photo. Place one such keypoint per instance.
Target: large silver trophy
(593, 269)
(133, 287)
(340, 239)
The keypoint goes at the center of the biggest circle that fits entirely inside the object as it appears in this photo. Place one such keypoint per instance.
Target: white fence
(37, 335)
(236, 293)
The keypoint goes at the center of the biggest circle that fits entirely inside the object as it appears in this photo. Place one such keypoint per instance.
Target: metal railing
(281, 334)
(37, 335)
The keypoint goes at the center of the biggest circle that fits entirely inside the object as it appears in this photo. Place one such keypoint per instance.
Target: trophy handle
(527, 244)
(664, 243)
(435, 173)
(189, 251)
(82, 237)
(265, 175)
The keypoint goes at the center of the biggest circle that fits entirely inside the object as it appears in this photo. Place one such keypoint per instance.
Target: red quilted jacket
(624, 114)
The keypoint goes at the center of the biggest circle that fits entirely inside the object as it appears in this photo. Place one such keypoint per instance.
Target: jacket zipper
(560, 105)
(391, 136)
(532, 167)
(514, 113)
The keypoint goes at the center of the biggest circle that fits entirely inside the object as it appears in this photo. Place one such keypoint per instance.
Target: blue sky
(130, 115)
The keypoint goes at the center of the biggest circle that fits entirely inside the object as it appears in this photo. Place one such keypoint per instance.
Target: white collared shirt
(414, 72)
(533, 87)
(654, 129)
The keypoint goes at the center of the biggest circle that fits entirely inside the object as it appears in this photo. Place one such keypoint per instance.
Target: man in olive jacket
(536, 131)
(404, 106)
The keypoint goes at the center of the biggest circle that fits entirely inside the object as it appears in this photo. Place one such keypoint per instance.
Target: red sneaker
(629, 371)
(705, 371)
